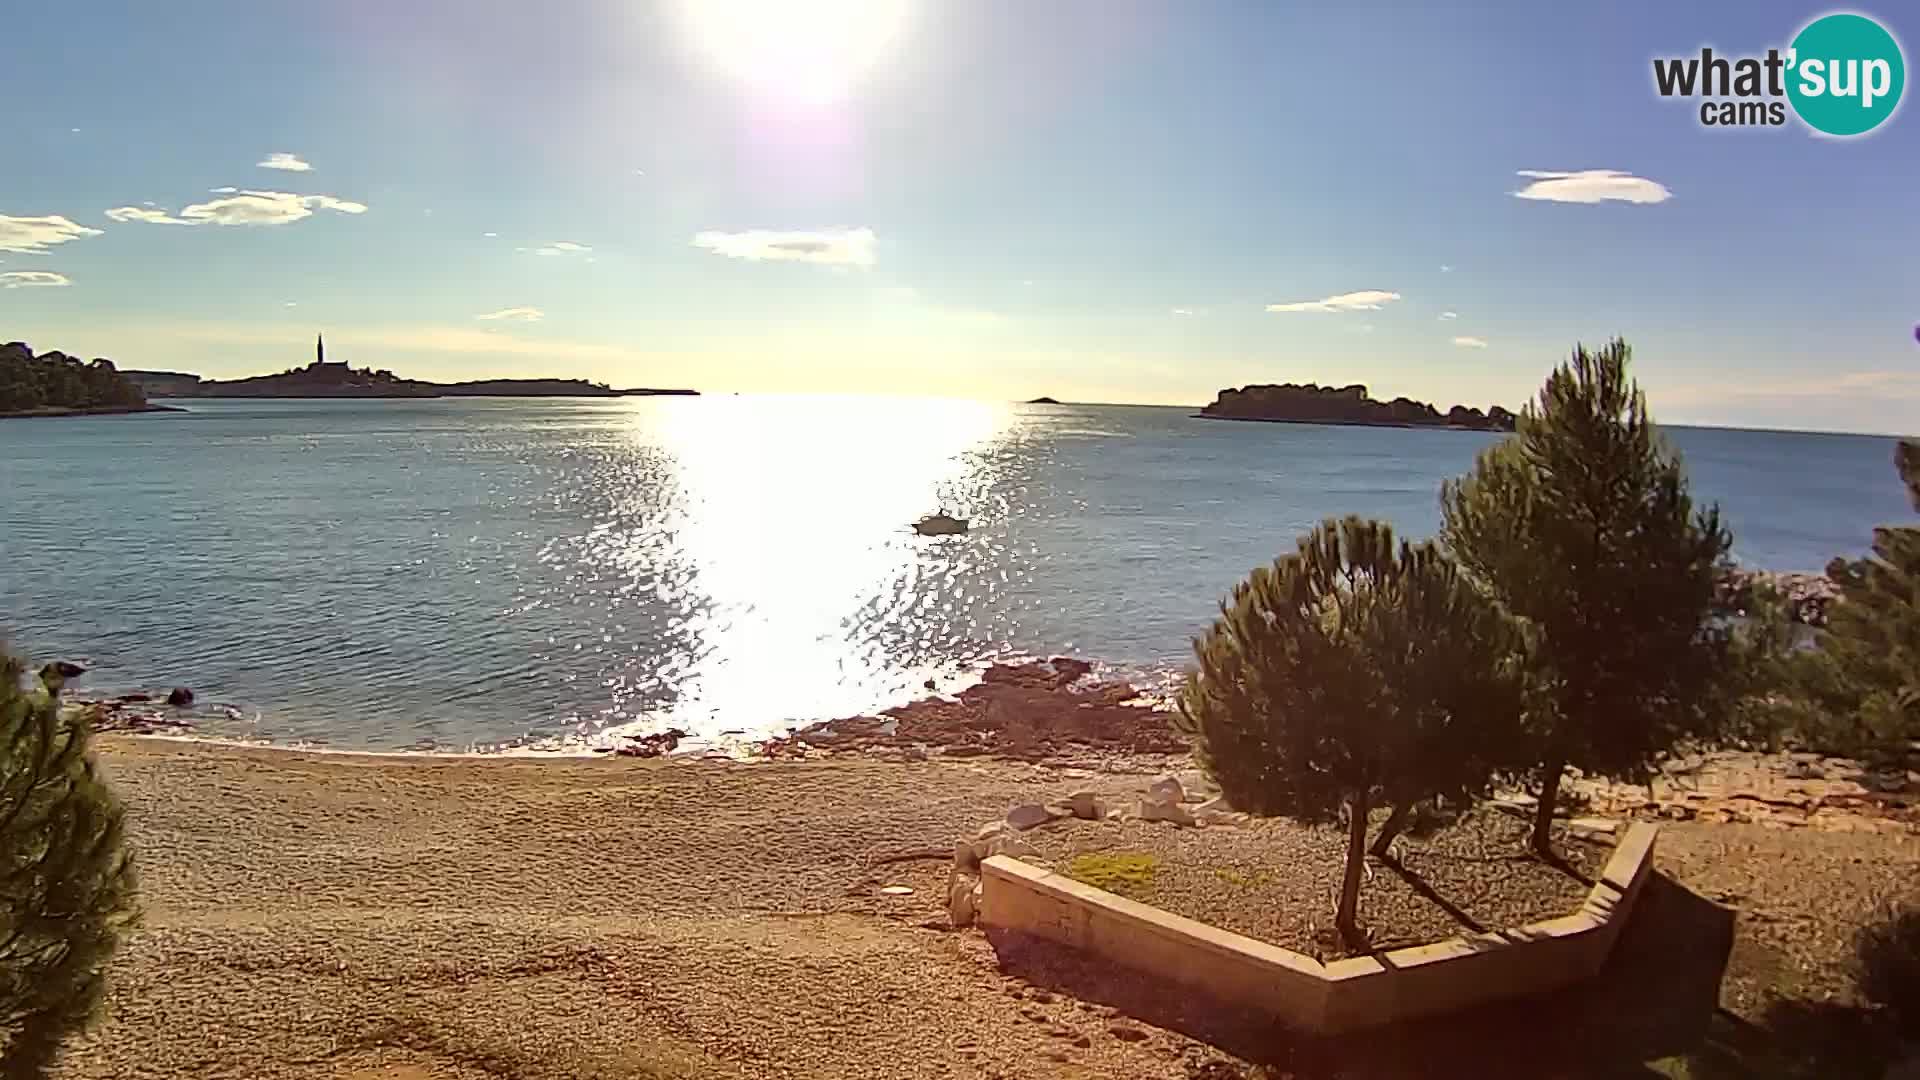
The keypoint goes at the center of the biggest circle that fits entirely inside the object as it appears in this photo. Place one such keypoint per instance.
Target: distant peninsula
(325, 378)
(55, 384)
(1314, 404)
(1044, 401)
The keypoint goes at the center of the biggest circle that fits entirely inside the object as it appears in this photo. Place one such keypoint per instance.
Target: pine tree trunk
(1356, 859)
(1549, 798)
(1390, 831)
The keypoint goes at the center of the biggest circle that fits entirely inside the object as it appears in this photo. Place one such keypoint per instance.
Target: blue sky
(1093, 200)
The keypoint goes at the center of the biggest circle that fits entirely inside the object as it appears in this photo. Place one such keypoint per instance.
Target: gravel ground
(1280, 882)
(331, 917)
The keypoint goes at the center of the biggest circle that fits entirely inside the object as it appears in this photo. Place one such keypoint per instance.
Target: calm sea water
(469, 573)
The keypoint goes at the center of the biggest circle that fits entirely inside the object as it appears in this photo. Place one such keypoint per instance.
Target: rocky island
(1311, 403)
(325, 378)
(55, 384)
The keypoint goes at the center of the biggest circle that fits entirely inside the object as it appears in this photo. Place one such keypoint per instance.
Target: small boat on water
(941, 524)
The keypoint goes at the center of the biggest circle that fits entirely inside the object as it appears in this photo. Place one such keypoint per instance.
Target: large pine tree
(1581, 526)
(66, 877)
(1351, 674)
(1867, 672)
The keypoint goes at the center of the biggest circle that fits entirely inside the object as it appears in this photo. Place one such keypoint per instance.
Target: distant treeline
(54, 381)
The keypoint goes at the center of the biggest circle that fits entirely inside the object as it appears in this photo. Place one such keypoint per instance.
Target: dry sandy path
(359, 917)
(335, 917)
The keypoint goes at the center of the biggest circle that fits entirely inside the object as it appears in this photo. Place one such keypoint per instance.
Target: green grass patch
(1123, 872)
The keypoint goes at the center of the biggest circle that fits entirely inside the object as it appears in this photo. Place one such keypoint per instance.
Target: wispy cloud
(558, 247)
(285, 163)
(33, 235)
(1445, 269)
(1365, 300)
(244, 208)
(29, 279)
(1449, 316)
(516, 314)
(1470, 342)
(124, 214)
(830, 247)
(219, 191)
(1182, 311)
(1592, 186)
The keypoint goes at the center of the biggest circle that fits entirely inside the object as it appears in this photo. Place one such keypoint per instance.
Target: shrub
(1349, 674)
(66, 878)
(1581, 527)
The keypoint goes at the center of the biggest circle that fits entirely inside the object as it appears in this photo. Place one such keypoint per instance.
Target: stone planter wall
(1299, 990)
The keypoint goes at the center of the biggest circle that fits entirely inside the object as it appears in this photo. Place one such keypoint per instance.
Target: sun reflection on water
(807, 587)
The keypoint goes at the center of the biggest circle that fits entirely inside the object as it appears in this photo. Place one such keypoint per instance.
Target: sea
(476, 574)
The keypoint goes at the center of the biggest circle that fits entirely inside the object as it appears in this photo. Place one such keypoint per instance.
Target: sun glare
(809, 53)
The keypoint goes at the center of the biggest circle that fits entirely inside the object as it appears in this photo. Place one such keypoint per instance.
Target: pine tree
(66, 877)
(1581, 527)
(1349, 674)
(1865, 678)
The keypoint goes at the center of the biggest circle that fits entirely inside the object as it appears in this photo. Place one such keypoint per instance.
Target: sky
(1096, 200)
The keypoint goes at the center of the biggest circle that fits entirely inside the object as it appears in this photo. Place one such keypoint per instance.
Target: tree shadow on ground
(1795, 1040)
(1656, 999)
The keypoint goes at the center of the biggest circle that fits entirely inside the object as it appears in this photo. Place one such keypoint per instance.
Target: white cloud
(558, 247)
(27, 279)
(1445, 269)
(1448, 316)
(124, 214)
(517, 314)
(1182, 311)
(33, 235)
(218, 191)
(489, 234)
(1365, 300)
(1470, 342)
(285, 163)
(1592, 186)
(830, 247)
(244, 208)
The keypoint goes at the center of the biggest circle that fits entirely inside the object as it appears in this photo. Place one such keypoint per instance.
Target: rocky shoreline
(1808, 596)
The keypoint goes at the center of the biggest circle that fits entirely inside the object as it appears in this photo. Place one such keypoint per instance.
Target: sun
(811, 52)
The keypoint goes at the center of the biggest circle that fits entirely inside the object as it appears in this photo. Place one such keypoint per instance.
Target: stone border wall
(1300, 991)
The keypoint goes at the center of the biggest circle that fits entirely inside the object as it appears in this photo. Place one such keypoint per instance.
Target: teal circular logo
(1844, 74)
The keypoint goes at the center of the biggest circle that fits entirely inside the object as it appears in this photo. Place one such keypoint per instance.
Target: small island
(1311, 403)
(1044, 401)
(55, 384)
(325, 378)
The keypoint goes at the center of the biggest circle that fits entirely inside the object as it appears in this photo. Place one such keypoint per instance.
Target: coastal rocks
(1029, 815)
(1024, 712)
(1592, 826)
(1086, 805)
(1807, 596)
(996, 838)
(180, 697)
(133, 718)
(963, 898)
(658, 744)
(1174, 812)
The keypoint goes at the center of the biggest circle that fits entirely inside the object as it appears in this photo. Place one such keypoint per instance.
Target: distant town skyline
(1125, 202)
